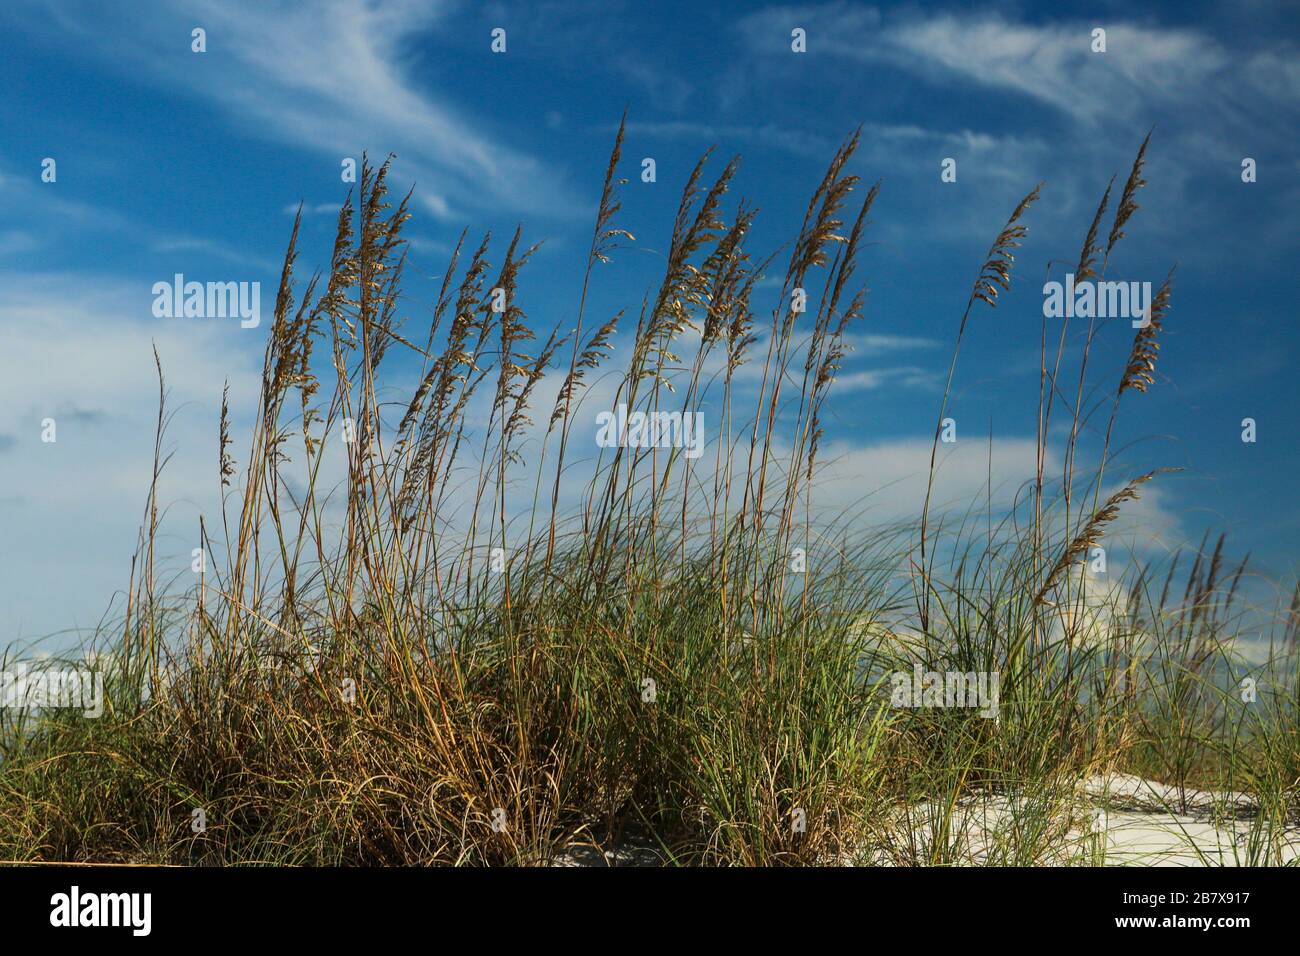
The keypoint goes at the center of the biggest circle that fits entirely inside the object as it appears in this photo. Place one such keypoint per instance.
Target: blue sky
(170, 161)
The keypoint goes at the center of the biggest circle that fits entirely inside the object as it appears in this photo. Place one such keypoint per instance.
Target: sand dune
(1115, 820)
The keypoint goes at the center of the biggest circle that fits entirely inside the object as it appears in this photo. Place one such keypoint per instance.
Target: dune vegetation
(695, 662)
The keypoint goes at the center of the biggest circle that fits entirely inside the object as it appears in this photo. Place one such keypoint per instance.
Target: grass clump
(394, 663)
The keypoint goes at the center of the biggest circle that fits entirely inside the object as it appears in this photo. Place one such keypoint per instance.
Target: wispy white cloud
(907, 376)
(769, 135)
(43, 203)
(215, 249)
(13, 241)
(334, 77)
(54, 218)
(877, 343)
(1142, 67)
(883, 482)
(78, 350)
(313, 209)
(1052, 109)
(1055, 64)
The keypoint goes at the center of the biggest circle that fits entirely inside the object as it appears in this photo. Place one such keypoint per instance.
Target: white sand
(1116, 820)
